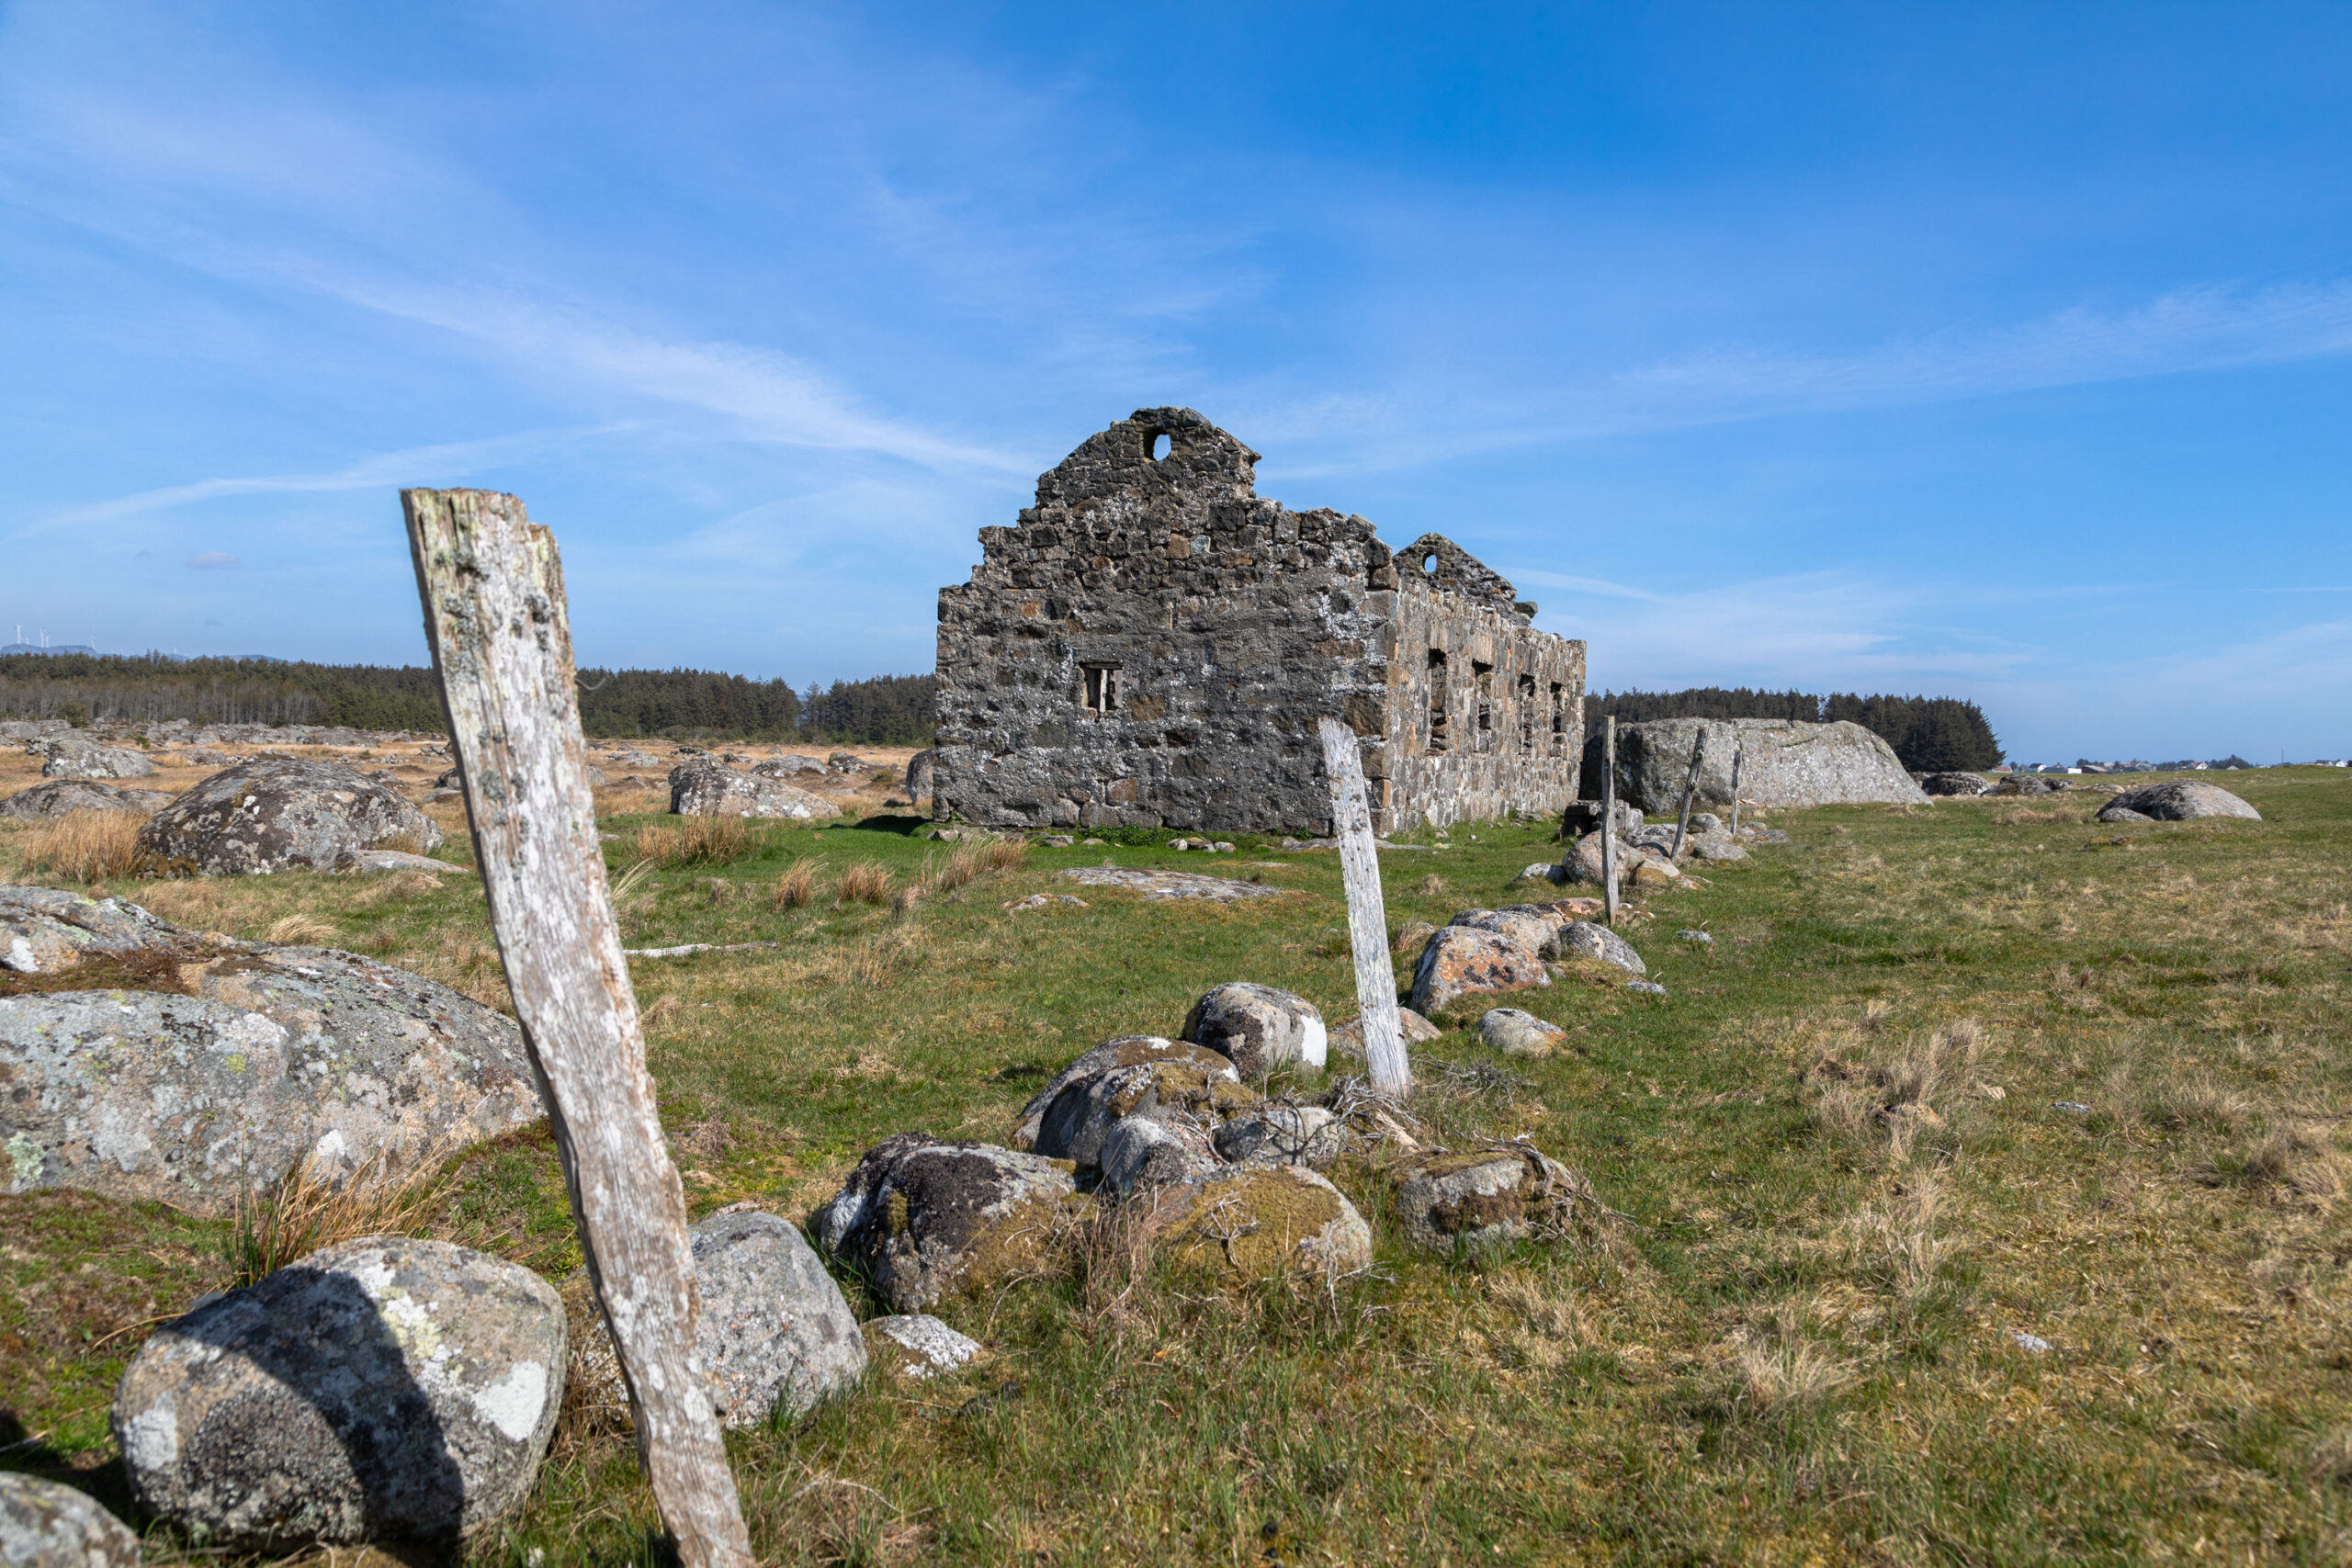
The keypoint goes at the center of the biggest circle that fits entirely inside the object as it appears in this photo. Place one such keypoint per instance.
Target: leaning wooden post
(1737, 757)
(494, 615)
(1384, 1037)
(1690, 792)
(1609, 820)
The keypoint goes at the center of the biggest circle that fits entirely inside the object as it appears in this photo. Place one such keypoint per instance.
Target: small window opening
(1483, 677)
(1559, 720)
(1441, 733)
(1160, 446)
(1101, 691)
(1527, 715)
(1429, 562)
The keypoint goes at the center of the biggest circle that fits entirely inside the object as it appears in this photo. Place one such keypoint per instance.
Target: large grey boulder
(1788, 764)
(918, 772)
(1259, 1028)
(45, 1525)
(62, 797)
(928, 1221)
(2180, 801)
(774, 1335)
(1347, 1039)
(1151, 1151)
(382, 1389)
(704, 787)
(1515, 1032)
(279, 814)
(1075, 1109)
(789, 766)
(254, 1059)
(1277, 1134)
(1463, 961)
(72, 757)
(1531, 926)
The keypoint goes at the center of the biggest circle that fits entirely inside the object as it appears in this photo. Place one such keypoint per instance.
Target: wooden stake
(1689, 789)
(1384, 1038)
(1609, 821)
(493, 591)
(1736, 759)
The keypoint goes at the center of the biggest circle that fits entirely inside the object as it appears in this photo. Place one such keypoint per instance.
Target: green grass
(1797, 1347)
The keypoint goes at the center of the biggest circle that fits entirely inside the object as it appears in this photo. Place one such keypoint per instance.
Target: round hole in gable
(1159, 446)
(1429, 562)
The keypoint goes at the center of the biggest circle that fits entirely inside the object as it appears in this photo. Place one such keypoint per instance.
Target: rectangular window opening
(1559, 720)
(1483, 676)
(1100, 694)
(1527, 715)
(1440, 732)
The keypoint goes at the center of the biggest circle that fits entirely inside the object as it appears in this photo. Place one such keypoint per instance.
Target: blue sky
(2002, 350)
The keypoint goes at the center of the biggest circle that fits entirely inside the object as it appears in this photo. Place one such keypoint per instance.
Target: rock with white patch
(704, 787)
(1589, 939)
(1517, 1032)
(1259, 1028)
(73, 757)
(62, 797)
(379, 1389)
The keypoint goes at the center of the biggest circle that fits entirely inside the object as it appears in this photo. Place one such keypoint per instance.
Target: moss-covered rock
(1488, 1196)
(1258, 1223)
(929, 1221)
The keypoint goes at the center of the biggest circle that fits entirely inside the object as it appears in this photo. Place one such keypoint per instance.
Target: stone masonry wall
(1154, 642)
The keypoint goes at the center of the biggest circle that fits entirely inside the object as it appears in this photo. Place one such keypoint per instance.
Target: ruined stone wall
(1154, 642)
(1486, 714)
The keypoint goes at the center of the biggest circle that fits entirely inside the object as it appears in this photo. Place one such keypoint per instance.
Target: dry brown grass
(312, 1207)
(1778, 1377)
(2299, 1162)
(88, 846)
(797, 888)
(301, 930)
(694, 841)
(866, 882)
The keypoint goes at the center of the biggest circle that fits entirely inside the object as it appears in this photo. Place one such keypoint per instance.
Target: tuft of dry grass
(708, 840)
(314, 1206)
(2301, 1161)
(1782, 1377)
(404, 884)
(797, 888)
(89, 846)
(301, 929)
(868, 882)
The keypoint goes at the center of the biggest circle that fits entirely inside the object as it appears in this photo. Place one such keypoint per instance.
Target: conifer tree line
(887, 710)
(1930, 734)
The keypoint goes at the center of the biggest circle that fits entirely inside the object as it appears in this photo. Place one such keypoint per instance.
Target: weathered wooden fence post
(1689, 793)
(493, 591)
(1737, 757)
(1384, 1038)
(1609, 821)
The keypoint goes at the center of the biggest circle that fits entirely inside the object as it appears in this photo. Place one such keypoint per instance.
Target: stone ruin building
(1154, 643)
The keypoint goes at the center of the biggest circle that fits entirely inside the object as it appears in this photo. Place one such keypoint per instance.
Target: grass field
(1848, 1179)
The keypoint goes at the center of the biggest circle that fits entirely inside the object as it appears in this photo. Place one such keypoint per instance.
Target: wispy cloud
(211, 561)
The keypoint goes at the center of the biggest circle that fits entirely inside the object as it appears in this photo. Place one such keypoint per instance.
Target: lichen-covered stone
(62, 797)
(918, 1347)
(276, 814)
(1517, 1032)
(1533, 928)
(1159, 885)
(44, 1524)
(704, 787)
(70, 757)
(1590, 939)
(1258, 1028)
(1154, 642)
(1787, 762)
(1955, 783)
(382, 1389)
(2179, 801)
(1084, 1115)
(256, 1057)
(932, 1220)
(1484, 1196)
(1463, 961)
(1077, 1081)
(1258, 1222)
(773, 1334)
